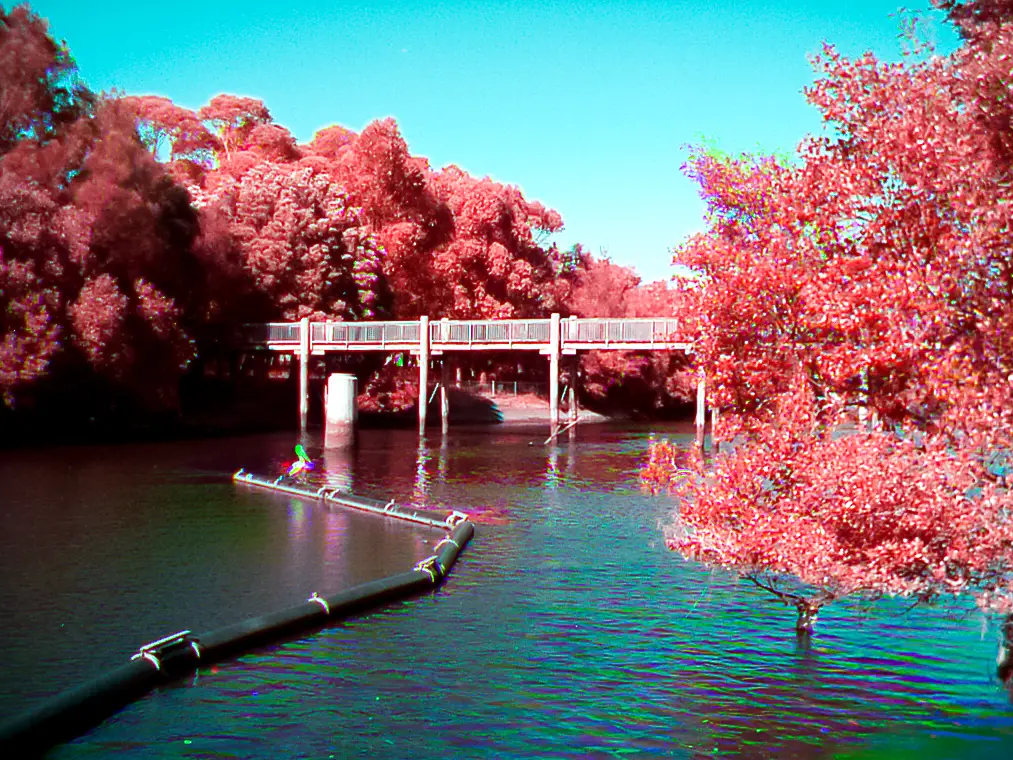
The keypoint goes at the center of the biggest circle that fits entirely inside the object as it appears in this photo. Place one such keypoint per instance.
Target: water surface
(565, 630)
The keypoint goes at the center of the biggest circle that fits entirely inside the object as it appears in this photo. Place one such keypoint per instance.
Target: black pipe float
(335, 496)
(77, 710)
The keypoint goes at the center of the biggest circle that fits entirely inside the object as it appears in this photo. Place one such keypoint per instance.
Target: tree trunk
(1004, 660)
(808, 612)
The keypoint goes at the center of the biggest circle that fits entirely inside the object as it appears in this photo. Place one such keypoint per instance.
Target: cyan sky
(586, 106)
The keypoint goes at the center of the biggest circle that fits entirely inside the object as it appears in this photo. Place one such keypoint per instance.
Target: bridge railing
(619, 330)
(382, 333)
(504, 331)
(271, 332)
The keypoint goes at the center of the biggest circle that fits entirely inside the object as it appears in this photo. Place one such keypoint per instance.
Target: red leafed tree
(273, 143)
(398, 207)
(494, 266)
(232, 118)
(871, 272)
(28, 327)
(601, 288)
(814, 518)
(40, 96)
(301, 240)
(642, 383)
(176, 134)
(32, 263)
(40, 91)
(330, 141)
(102, 283)
(138, 276)
(452, 245)
(972, 15)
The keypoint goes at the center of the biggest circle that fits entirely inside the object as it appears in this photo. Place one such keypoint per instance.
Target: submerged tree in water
(869, 275)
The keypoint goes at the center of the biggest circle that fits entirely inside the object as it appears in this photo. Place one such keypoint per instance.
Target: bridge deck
(473, 335)
(552, 337)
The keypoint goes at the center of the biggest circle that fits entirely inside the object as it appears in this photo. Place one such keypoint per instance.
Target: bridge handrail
(365, 332)
(619, 330)
(271, 332)
(506, 332)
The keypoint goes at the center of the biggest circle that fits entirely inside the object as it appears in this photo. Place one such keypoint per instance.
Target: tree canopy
(130, 226)
(871, 273)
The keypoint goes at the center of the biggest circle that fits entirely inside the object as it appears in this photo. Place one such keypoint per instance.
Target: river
(566, 628)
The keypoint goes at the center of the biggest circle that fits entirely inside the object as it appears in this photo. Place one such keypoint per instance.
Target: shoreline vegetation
(136, 235)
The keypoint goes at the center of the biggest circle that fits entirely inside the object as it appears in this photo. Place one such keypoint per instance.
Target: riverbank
(531, 408)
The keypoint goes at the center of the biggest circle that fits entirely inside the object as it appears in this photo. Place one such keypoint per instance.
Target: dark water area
(565, 630)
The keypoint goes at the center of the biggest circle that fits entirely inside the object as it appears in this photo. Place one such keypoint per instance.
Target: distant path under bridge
(425, 338)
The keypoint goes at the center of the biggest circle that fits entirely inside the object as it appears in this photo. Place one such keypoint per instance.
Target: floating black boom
(77, 710)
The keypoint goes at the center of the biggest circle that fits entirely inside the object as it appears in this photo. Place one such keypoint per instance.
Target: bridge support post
(714, 426)
(444, 397)
(573, 331)
(304, 372)
(340, 412)
(423, 372)
(574, 365)
(701, 408)
(554, 374)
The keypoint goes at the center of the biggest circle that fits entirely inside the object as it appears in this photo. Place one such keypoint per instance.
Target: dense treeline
(132, 228)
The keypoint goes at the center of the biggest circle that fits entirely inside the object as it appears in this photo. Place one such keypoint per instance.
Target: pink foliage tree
(494, 265)
(645, 383)
(301, 240)
(40, 91)
(871, 272)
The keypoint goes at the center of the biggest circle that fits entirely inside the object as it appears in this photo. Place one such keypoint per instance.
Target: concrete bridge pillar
(423, 372)
(340, 411)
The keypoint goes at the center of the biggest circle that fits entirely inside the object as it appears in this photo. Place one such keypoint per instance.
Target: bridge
(553, 337)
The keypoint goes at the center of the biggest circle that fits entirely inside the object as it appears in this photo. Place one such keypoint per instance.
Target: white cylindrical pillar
(340, 412)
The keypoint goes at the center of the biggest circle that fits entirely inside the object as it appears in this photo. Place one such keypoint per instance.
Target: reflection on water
(339, 466)
(552, 467)
(566, 630)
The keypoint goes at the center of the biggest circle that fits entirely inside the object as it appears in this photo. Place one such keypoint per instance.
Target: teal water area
(566, 629)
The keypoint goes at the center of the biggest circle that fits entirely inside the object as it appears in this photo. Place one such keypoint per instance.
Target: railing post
(423, 372)
(574, 364)
(304, 372)
(554, 374)
(444, 398)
